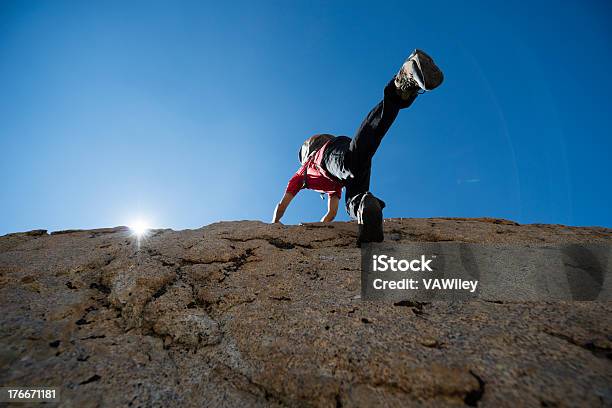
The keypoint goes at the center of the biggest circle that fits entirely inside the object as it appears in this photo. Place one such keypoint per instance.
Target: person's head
(312, 144)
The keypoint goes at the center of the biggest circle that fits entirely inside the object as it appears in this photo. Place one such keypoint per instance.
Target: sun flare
(139, 228)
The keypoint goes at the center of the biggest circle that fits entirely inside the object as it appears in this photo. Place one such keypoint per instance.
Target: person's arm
(332, 208)
(293, 187)
(280, 208)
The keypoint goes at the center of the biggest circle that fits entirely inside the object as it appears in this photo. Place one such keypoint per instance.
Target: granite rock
(253, 314)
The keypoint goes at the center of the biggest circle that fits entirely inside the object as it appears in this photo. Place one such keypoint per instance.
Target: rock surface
(252, 314)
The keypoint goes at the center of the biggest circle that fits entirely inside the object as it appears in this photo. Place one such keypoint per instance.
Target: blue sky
(185, 113)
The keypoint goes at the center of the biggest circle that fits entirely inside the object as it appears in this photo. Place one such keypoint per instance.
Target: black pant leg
(355, 188)
(375, 126)
(366, 142)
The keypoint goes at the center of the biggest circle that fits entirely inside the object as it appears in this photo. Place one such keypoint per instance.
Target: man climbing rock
(329, 163)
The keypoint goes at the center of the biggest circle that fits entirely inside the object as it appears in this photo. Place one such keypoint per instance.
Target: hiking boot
(370, 220)
(419, 72)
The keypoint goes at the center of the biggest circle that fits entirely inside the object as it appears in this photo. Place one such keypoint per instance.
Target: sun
(139, 228)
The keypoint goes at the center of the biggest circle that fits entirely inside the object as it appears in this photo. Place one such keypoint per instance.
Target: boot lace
(406, 83)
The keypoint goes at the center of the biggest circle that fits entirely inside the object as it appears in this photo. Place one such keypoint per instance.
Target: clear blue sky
(190, 112)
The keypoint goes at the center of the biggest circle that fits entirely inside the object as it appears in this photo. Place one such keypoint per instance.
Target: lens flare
(139, 228)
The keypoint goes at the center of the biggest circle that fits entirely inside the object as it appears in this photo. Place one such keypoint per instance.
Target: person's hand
(280, 208)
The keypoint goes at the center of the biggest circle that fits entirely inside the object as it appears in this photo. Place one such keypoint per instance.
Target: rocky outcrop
(252, 314)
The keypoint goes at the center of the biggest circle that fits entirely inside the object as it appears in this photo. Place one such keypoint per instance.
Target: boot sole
(371, 229)
(432, 68)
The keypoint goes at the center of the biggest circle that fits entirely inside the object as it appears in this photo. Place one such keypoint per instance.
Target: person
(329, 163)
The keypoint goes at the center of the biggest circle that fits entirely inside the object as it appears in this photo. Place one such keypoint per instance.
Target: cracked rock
(256, 315)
